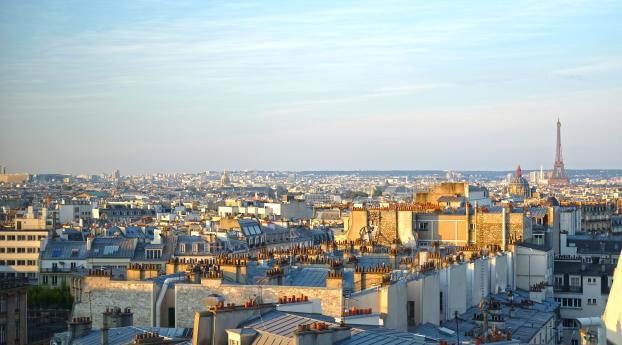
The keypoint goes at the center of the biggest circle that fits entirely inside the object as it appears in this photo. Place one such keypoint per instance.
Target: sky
(189, 86)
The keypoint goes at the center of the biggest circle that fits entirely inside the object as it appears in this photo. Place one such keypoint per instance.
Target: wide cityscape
(316, 257)
(353, 172)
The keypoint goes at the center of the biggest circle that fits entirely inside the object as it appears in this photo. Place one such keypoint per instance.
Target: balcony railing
(567, 288)
(61, 269)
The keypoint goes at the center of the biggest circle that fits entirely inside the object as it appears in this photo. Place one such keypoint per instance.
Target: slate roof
(108, 247)
(312, 277)
(64, 250)
(587, 244)
(278, 328)
(189, 242)
(526, 323)
(124, 335)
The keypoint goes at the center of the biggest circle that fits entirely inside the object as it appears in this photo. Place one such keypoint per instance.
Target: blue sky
(176, 86)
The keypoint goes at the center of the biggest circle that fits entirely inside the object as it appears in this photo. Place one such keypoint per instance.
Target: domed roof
(518, 184)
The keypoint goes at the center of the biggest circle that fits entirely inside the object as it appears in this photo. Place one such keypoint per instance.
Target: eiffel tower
(558, 175)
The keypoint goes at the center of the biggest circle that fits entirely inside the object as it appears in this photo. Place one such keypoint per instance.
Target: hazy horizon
(174, 86)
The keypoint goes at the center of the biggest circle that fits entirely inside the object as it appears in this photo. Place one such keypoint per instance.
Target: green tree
(43, 297)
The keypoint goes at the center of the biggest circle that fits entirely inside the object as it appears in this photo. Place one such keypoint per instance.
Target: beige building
(414, 223)
(19, 253)
(14, 178)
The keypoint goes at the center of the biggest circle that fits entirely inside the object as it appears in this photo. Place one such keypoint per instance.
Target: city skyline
(185, 86)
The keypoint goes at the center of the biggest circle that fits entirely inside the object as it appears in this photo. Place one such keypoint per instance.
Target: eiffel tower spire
(558, 175)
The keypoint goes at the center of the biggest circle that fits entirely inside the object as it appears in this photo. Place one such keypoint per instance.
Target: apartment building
(582, 290)
(19, 253)
(13, 311)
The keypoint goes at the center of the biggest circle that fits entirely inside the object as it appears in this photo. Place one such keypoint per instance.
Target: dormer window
(153, 253)
(182, 248)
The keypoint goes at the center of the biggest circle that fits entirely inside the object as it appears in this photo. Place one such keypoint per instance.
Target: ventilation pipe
(593, 322)
(161, 295)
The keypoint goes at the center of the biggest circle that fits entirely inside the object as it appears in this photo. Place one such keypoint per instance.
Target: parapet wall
(189, 297)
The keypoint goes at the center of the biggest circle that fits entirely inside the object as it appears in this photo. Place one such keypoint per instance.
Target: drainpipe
(161, 297)
(587, 322)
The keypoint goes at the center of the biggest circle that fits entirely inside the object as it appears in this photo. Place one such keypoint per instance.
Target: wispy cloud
(584, 71)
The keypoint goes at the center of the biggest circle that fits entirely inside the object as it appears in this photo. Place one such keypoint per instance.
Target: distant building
(14, 178)
(518, 186)
(225, 181)
(72, 211)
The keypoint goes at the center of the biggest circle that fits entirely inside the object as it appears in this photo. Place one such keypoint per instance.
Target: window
(575, 281)
(21, 250)
(570, 302)
(31, 237)
(21, 237)
(182, 247)
(31, 262)
(569, 323)
(54, 280)
(10, 250)
(45, 280)
(2, 250)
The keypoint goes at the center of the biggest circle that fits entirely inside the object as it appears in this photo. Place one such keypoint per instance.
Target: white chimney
(157, 238)
(89, 242)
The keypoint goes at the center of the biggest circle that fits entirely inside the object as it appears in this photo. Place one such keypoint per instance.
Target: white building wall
(533, 266)
(424, 291)
(499, 273)
(480, 280)
(453, 281)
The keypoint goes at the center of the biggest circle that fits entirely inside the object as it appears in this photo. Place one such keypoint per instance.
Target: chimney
(89, 242)
(319, 333)
(79, 327)
(104, 330)
(157, 238)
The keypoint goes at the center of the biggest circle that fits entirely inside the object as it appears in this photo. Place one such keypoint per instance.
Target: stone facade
(98, 293)
(382, 221)
(189, 297)
(489, 228)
